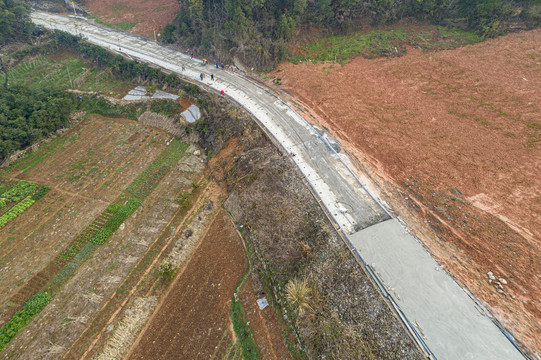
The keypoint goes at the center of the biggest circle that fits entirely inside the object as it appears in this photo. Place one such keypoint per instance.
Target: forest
(27, 116)
(258, 32)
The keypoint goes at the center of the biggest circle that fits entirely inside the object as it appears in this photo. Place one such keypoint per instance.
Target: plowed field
(193, 321)
(452, 139)
(86, 170)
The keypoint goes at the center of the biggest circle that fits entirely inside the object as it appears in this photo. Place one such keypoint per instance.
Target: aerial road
(446, 322)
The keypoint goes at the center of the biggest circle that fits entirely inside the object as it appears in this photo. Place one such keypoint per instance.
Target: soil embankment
(452, 140)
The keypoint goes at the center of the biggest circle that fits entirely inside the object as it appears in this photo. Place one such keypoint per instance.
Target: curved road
(449, 323)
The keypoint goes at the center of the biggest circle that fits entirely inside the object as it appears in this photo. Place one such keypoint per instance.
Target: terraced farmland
(47, 71)
(99, 174)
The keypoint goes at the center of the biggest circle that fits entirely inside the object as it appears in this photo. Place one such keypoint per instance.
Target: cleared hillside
(452, 139)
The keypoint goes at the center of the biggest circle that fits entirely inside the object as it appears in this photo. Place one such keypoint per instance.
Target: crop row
(97, 233)
(22, 206)
(114, 223)
(147, 181)
(86, 235)
(17, 192)
(80, 250)
(32, 307)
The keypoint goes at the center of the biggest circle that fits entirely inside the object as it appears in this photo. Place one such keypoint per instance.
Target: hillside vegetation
(258, 32)
(25, 115)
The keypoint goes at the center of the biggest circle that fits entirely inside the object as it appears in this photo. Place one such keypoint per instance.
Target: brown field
(147, 15)
(119, 150)
(193, 321)
(451, 140)
(86, 173)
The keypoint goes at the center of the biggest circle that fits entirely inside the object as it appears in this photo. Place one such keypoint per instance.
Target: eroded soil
(451, 140)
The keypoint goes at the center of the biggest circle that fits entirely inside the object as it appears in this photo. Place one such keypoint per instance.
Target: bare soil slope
(453, 139)
(147, 15)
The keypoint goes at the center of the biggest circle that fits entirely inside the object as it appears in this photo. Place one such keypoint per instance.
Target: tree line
(259, 31)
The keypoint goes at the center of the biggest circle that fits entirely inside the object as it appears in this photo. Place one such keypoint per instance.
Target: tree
(286, 27)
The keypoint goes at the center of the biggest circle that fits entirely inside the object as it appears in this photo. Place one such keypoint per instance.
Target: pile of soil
(456, 135)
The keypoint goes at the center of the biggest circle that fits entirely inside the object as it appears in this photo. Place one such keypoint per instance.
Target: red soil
(430, 124)
(147, 15)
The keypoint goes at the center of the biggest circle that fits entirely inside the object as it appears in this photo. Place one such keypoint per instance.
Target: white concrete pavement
(444, 316)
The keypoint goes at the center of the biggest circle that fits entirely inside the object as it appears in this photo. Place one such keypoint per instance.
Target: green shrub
(191, 89)
(166, 271)
(114, 207)
(166, 107)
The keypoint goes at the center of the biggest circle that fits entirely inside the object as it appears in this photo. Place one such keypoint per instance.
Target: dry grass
(162, 122)
(127, 329)
(299, 294)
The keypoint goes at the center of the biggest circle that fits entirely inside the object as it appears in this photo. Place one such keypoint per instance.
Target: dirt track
(452, 136)
(193, 321)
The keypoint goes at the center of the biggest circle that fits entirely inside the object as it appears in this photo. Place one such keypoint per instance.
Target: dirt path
(264, 324)
(195, 314)
(452, 140)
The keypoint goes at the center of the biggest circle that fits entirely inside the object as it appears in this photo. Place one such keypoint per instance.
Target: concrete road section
(450, 324)
(443, 314)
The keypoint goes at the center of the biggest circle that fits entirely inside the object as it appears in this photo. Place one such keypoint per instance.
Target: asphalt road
(449, 322)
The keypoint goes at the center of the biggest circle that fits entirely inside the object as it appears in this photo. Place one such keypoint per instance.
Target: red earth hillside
(456, 135)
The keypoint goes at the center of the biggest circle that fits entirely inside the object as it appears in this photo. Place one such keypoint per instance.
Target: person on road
(217, 64)
(222, 92)
(191, 56)
(183, 68)
(222, 66)
(212, 77)
(201, 76)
